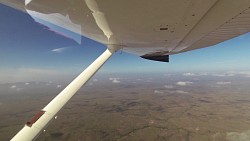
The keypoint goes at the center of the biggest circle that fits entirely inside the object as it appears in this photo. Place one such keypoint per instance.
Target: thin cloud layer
(223, 75)
(232, 73)
(184, 83)
(169, 86)
(245, 73)
(223, 83)
(181, 92)
(59, 50)
(195, 74)
(114, 80)
(188, 74)
(27, 83)
(220, 74)
(13, 87)
(158, 92)
(178, 92)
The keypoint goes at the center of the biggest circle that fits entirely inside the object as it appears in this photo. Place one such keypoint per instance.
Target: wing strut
(33, 128)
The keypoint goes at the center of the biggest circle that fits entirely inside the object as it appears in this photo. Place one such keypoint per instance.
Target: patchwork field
(172, 108)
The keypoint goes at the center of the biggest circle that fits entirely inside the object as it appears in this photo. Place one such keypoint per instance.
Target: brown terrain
(143, 108)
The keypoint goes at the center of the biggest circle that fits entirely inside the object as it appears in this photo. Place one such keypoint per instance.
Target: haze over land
(206, 106)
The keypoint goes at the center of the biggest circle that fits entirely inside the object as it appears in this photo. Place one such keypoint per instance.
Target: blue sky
(30, 52)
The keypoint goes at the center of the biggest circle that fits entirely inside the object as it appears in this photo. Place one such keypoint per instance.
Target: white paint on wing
(100, 18)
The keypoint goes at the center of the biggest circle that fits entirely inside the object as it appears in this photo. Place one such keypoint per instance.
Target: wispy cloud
(223, 75)
(115, 80)
(158, 92)
(184, 83)
(91, 83)
(49, 83)
(188, 74)
(13, 87)
(27, 83)
(59, 86)
(169, 86)
(245, 73)
(223, 83)
(181, 92)
(195, 74)
(59, 50)
(203, 73)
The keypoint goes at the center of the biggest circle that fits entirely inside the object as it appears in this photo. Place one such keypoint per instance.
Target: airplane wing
(151, 29)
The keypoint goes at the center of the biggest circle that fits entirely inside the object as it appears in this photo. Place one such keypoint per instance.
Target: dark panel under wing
(162, 58)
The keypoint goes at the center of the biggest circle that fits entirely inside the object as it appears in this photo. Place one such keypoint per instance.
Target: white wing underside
(144, 27)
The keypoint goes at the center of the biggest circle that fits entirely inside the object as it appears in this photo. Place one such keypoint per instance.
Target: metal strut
(33, 128)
